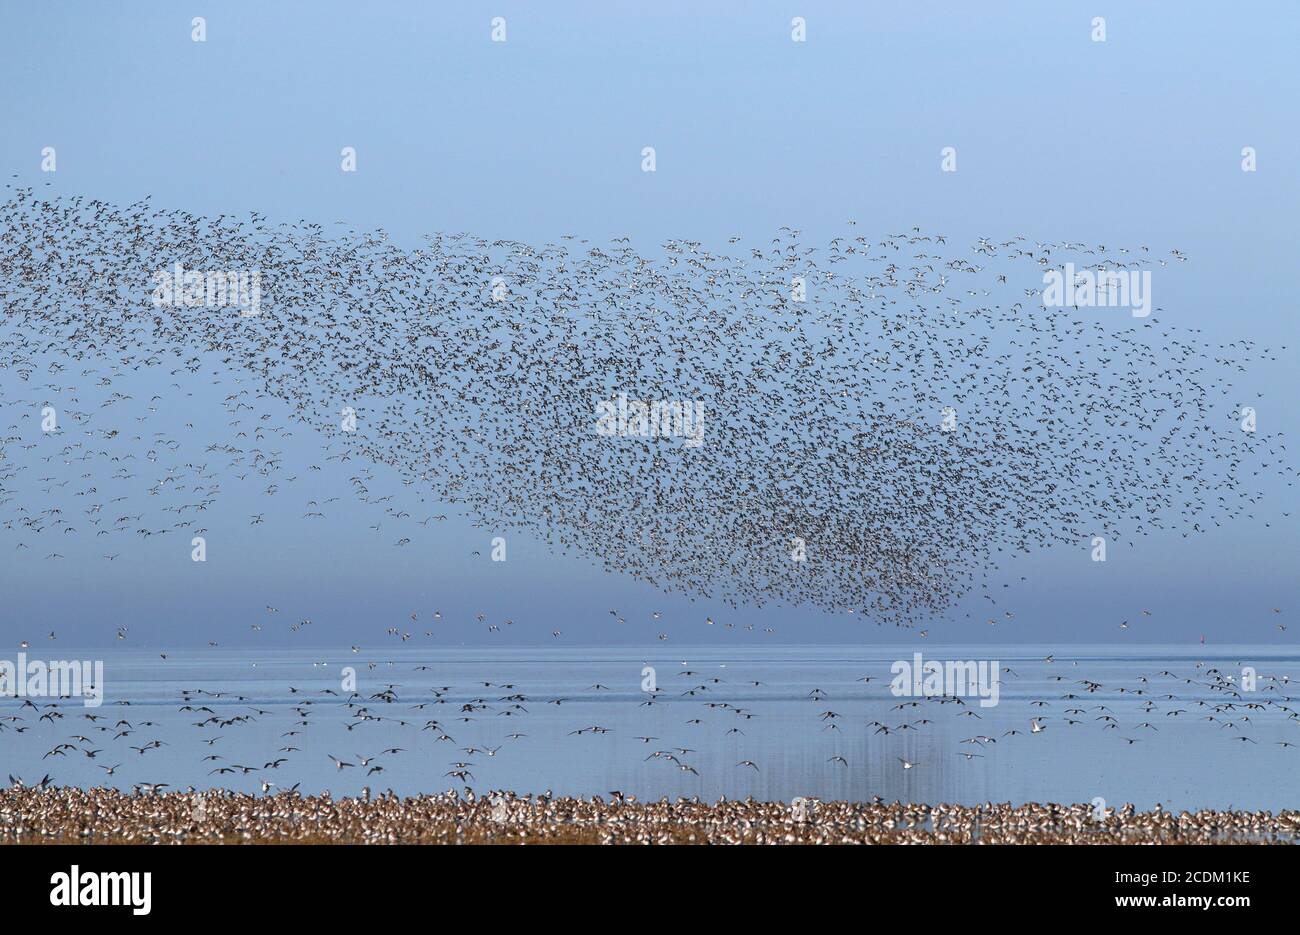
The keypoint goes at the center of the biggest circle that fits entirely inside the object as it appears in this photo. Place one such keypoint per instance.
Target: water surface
(708, 705)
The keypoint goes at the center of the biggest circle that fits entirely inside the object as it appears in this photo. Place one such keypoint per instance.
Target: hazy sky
(1136, 140)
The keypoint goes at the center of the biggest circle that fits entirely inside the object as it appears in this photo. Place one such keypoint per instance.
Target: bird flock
(673, 736)
(885, 419)
(882, 422)
(109, 816)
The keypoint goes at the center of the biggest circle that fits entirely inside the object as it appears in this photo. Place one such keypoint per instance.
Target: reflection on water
(722, 707)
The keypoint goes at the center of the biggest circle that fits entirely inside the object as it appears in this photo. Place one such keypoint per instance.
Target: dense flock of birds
(827, 374)
(106, 815)
(885, 422)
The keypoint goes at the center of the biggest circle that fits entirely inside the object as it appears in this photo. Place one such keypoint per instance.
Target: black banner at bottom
(144, 885)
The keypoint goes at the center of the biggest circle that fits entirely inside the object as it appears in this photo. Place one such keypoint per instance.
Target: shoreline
(110, 816)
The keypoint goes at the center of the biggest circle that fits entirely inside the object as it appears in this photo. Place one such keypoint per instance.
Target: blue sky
(1134, 140)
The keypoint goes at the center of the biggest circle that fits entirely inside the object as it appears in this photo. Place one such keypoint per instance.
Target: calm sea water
(1190, 757)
